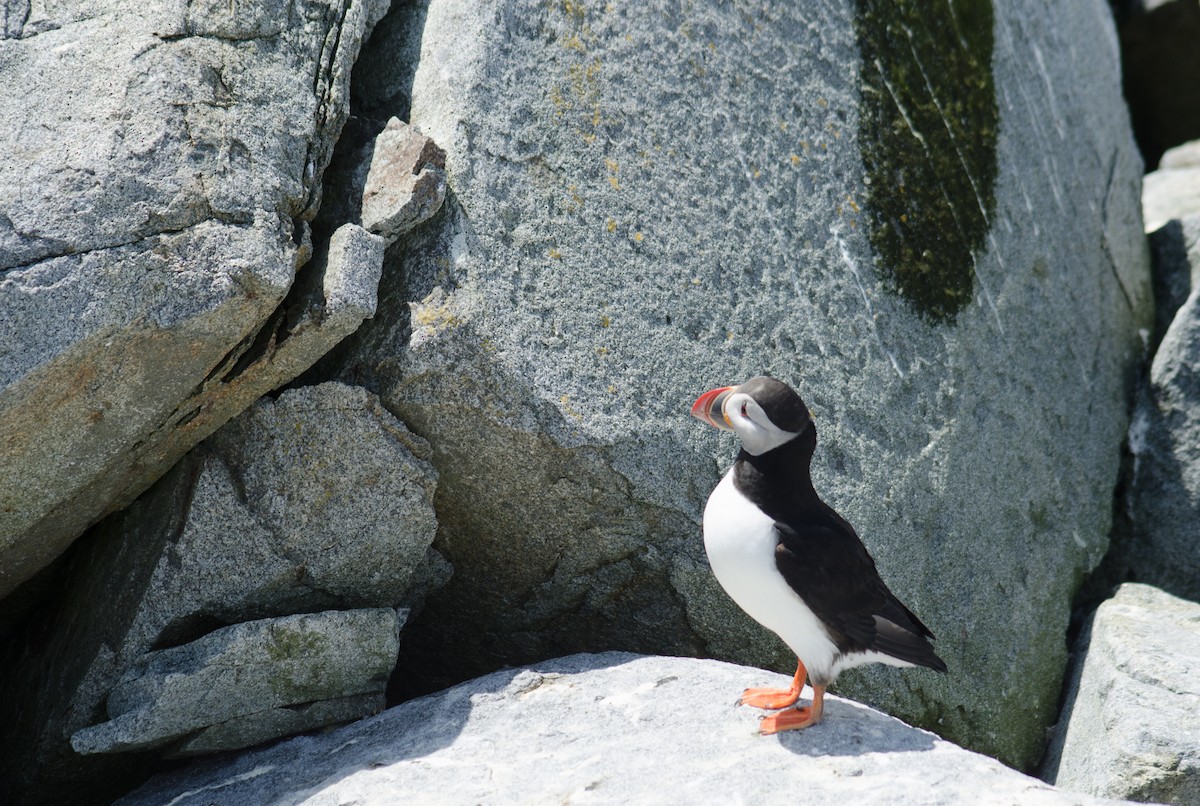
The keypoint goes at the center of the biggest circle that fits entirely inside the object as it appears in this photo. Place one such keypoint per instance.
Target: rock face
(1171, 191)
(611, 728)
(1155, 537)
(319, 500)
(249, 674)
(647, 201)
(389, 184)
(1129, 726)
(151, 223)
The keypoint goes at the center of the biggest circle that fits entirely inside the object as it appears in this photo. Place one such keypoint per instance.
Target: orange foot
(769, 698)
(795, 718)
(772, 698)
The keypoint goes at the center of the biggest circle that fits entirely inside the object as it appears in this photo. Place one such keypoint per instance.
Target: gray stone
(1184, 156)
(1170, 193)
(390, 184)
(247, 671)
(1156, 539)
(150, 226)
(1129, 727)
(273, 723)
(611, 728)
(318, 500)
(637, 213)
(1175, 257)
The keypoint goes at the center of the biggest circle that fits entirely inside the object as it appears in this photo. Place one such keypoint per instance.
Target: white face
(756, 431)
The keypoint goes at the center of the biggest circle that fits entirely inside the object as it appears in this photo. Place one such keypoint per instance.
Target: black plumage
(819, 554)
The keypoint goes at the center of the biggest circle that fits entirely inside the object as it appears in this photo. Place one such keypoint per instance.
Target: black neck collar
(778, 481)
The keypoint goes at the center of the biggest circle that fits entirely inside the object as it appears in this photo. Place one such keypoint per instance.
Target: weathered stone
(317, 500)
(1129, 727)
(611, 728)
(1175, 257)
(1183, 156)
(150, 224)
(390, 184)
(247, 670)
(1156, 539)
(1154, 535)
(1171, 193)
(276, 722)
(637, 213)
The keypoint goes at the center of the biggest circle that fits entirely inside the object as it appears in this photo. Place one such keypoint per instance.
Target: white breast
(740, 541)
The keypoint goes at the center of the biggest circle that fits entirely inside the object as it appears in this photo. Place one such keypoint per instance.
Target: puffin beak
(708, 407)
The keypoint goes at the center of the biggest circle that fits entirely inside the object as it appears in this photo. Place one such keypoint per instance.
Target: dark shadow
(1161, 74)
(852, 729)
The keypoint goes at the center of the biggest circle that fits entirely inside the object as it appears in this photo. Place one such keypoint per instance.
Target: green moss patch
(928, 124)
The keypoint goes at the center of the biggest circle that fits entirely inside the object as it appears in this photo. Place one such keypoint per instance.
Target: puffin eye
(744, 414)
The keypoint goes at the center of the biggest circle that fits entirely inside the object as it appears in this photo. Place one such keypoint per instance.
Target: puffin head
(764, 413)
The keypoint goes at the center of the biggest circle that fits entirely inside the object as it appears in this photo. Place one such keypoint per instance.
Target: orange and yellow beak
(709, 407)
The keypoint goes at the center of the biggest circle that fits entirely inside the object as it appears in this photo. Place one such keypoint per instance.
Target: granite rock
(647, 201)
(1129, 727)
(318, 500)
(609, 728)
(1154, 537)
(248, 673)
(389, 184)
(161, 163)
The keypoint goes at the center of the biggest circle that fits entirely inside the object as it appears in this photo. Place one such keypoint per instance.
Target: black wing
(829, 567)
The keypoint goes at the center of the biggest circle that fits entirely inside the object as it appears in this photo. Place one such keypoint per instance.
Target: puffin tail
(892, 639)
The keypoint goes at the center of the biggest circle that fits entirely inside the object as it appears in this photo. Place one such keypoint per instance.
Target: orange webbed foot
(772, 698)
(791, 719)
(795, 718)
(769, 698)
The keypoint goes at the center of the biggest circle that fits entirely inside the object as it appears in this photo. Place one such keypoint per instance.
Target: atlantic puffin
(790, 561)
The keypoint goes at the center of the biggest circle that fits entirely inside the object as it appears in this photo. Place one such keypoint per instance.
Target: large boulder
(318, 500)
(878, 204)
(1129, 727)
(161, 163)
(610, 728)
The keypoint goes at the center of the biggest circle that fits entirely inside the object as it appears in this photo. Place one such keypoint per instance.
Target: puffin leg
(795, 718)
(772, 698)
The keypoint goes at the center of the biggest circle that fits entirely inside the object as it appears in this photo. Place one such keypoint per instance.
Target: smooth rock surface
(1182, 156)
(318, 500)
(161, 162)
(638, 212)
(1130, 726)
(610, 728)
(249, 670)
(1170, 193)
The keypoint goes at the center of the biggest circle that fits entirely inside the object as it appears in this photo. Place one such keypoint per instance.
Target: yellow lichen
(437, 317)
(565, 403)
